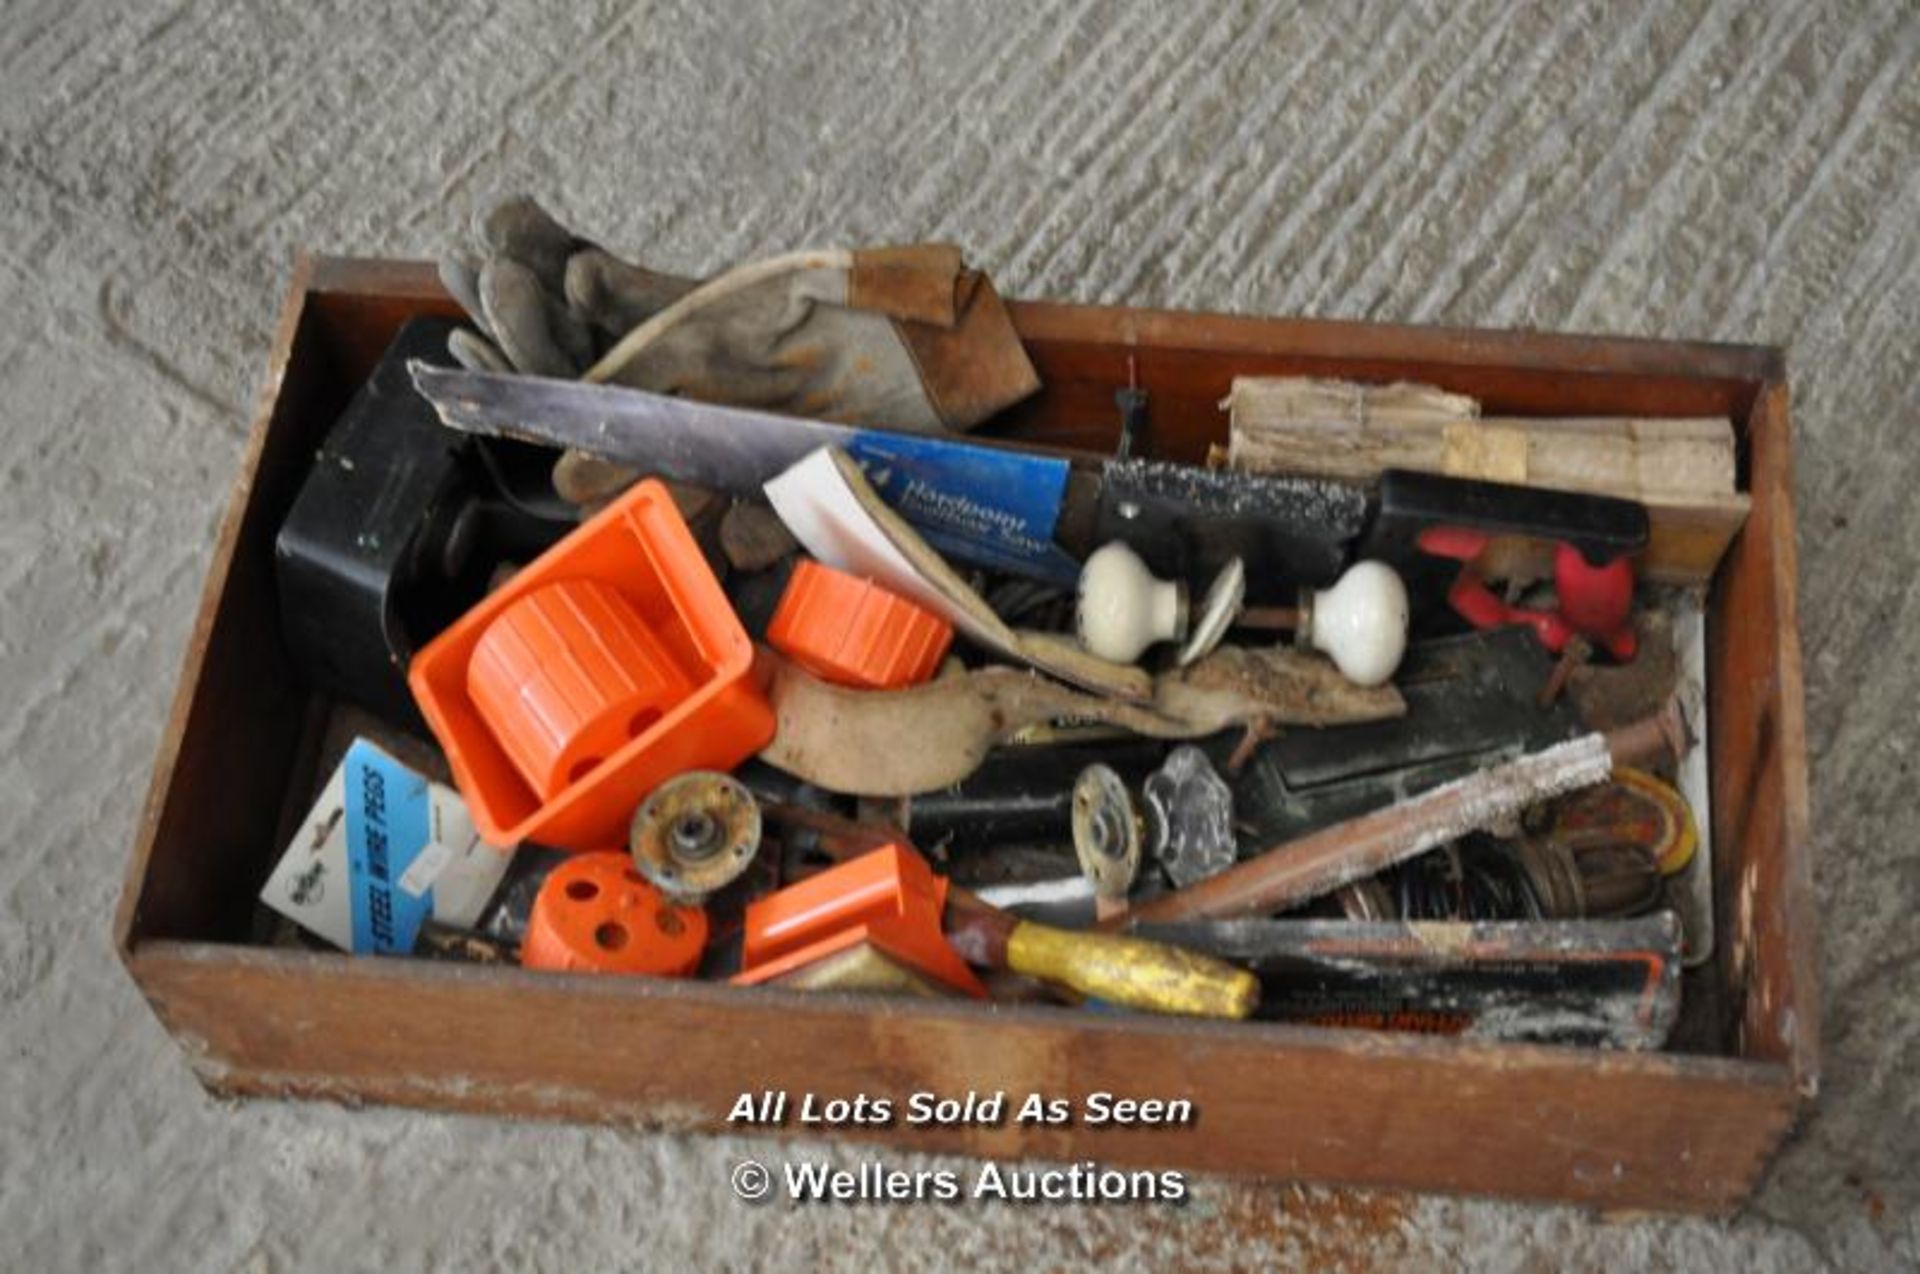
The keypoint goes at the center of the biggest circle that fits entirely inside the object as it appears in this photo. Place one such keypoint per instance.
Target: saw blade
(992, 506)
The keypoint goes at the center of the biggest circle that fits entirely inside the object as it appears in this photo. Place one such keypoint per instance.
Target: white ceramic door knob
(1124, 608)
(1360, 623)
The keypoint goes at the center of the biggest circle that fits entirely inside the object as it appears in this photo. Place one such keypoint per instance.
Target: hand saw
(1004, 507)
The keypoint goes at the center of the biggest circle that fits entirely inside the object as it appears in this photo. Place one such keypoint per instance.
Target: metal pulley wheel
(695, 835)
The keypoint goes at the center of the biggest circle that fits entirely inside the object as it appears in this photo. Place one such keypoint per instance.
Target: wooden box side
(1762, 828)
(230, 748)
(223, 763)
(1618, 1130)
(1187, 362)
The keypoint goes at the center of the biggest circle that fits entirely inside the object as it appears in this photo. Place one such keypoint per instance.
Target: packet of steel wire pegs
(383, 849)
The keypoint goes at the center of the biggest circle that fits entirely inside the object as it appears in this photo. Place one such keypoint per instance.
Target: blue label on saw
(993, 508)
(387, 826)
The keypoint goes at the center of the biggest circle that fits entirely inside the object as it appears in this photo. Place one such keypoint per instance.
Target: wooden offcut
(1682, 468)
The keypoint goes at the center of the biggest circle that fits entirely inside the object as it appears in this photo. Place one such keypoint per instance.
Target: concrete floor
(1691, 170)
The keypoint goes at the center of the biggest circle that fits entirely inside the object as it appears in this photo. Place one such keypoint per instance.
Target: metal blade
(731, 448)
(993, 506)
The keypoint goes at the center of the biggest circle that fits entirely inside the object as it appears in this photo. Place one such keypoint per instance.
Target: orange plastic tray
(714, 715)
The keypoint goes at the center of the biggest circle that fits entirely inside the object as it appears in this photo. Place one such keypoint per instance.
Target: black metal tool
(1187, 523)
(1471, 702)
(1021, 796)
(1610, 983)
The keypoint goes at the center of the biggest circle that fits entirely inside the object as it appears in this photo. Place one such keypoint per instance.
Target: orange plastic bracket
(605, 667)
(852, 632)
(595, 914)
(889, 898)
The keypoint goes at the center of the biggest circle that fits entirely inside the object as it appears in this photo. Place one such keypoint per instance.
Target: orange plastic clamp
(605, 667)
(889, 897)
(852, 632)
(594, 914)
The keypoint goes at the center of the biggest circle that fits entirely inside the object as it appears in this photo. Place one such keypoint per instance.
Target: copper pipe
(1662, 736)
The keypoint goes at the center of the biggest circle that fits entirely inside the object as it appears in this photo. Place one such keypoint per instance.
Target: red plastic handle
(1595, 601)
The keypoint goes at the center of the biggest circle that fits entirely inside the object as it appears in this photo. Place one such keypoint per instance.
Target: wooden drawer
(1680, 1131)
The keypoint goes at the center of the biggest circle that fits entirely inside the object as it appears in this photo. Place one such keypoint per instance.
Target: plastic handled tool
(1128, 972)
(1446, 535)
(1024, 795)
(1009, 508)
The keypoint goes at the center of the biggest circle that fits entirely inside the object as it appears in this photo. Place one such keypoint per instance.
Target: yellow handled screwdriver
(1130, 972)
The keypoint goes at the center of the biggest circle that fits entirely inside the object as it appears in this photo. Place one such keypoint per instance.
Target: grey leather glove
(900, 338)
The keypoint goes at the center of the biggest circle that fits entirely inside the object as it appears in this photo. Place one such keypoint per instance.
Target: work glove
(546, 302)
(900, 338)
